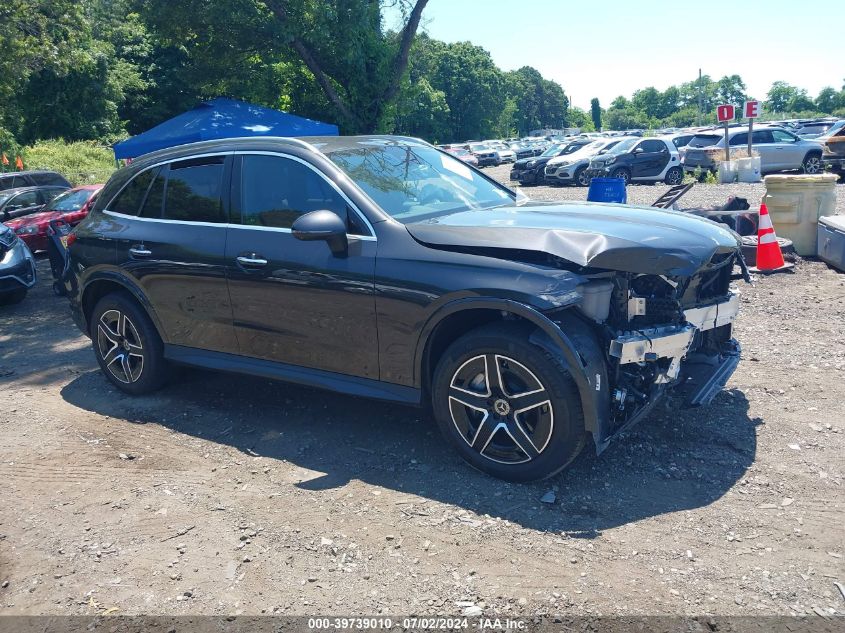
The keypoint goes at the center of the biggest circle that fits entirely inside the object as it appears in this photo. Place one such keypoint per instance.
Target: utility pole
(700, 103)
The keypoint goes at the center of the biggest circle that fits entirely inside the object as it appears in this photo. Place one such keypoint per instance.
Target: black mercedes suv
(383, 267)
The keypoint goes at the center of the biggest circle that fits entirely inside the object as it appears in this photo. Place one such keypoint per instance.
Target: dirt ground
(225, 494)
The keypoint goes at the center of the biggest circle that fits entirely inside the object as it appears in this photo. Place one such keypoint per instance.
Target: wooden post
(750, 133)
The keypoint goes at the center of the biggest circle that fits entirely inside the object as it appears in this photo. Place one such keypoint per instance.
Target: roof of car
(16, 190)
(30, 171)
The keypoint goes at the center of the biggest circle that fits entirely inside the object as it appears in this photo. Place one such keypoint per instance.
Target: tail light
(71, 238)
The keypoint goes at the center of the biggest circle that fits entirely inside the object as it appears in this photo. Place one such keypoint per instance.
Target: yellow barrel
(795, 205)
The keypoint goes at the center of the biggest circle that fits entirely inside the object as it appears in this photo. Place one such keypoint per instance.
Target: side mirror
(322, 226)
(639, 150)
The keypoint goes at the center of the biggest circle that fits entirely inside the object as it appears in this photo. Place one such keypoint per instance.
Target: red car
(71, 206)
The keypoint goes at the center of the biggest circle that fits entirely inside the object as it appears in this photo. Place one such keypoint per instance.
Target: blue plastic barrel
(607, 190)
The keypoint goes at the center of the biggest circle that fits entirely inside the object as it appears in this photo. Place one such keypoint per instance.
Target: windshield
(554, 150)
(704, 140)
(479, 148)
(623, 146)
(69, 201)
(413, 182)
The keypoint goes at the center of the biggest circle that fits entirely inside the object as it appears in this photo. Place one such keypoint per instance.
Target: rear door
(174, 246)
(771, 159)
(650, 158)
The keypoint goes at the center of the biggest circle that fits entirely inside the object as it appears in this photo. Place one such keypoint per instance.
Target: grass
(81, 162)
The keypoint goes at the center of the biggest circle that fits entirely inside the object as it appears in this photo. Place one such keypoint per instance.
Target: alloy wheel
(674, 177)
(584, 178)
(501, 409)
(120, 346)
(812, 165)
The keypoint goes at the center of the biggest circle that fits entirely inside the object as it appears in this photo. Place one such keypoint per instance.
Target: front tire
(812, 164)
(127, 346)
(624, 174)
(582, 178)
(674, 176)
(509, 408)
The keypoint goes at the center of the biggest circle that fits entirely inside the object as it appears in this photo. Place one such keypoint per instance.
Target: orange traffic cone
(769, 255)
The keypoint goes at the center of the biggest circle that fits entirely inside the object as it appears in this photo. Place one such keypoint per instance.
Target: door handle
(252, 262)
(140, 251)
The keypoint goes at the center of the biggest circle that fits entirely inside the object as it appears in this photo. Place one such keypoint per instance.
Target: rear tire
(12, 297)
(127, 346)
(509, 407)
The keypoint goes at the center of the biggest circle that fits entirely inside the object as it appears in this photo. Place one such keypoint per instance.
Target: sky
(604, 48)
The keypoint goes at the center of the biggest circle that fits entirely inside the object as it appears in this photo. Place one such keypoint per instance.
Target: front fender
(586, 367)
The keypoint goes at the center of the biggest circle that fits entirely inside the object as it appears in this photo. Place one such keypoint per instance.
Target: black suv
(16, 179)
(383, 267)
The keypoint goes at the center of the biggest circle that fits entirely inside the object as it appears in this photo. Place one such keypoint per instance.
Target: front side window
(129, 200)
(194, 189)
(275, 191)
(780, 136)
(762, 136)
(23, 200)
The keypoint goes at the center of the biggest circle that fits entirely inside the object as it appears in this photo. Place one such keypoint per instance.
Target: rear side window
(155, 196)
(704, 140)
(25, 199)
(129, 200)
(49, 178)
(194, 190)
(652, 146)
(275, 191)
(740, 139)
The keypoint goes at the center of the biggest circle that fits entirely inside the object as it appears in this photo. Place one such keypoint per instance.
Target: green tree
(355, 62)
(595, 113)
(828, 100)
(779, 96)
(731, 89)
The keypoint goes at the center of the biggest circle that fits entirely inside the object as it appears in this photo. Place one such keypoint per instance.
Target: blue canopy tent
(221, 118)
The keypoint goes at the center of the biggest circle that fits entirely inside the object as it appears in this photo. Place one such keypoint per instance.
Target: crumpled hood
(606, 236)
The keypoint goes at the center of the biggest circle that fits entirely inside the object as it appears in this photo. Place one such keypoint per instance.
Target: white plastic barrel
(796, 203)
(748, 169)
(727, 171)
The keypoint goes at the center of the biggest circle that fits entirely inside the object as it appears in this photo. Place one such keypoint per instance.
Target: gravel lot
(225, 494)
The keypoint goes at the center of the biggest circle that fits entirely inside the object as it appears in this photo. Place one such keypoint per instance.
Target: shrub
(81, 162)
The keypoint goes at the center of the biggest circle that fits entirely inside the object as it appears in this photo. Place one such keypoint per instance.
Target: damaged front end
(661, 332)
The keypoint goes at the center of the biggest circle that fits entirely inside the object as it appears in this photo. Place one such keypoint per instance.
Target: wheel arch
(106, 283)
(586, 366)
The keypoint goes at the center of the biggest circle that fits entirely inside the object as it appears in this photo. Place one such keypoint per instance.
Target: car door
(770, 157)
(22, 204)
(789, 151)
(294, 301)
(650, 157)
(170, 238)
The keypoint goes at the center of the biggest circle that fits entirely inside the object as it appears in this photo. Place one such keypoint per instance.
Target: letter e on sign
(752, 109)
(725, 113)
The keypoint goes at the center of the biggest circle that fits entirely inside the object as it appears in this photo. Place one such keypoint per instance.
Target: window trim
(368, 238)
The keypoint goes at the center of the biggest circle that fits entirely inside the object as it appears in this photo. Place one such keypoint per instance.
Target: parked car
(15, 203)
(483, 154)
(504, 154)
(17, 268)
(464, 155)
(16, 179)
(833, 156)
(531, 171)
(381, 267)
(71, 206)
(522, 150)
(640, 160)
(779, 149)
(572, 169)
(813, 128)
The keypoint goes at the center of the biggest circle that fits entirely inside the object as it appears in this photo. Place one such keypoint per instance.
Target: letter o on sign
(725, 113)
